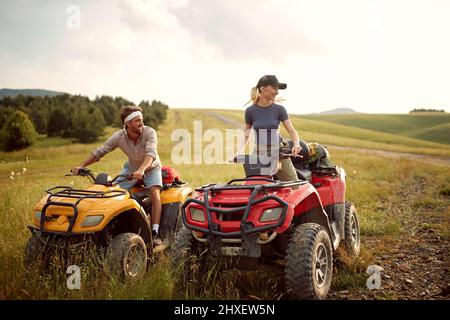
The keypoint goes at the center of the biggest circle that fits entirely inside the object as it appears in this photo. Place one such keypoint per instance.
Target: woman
(264, 116)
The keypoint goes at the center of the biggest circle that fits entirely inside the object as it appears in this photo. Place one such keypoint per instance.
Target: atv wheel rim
(321, 265)
(135, 261)
(354, 230)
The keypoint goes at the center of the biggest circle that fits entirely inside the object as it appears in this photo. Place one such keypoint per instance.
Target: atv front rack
(69, 192)
(247, 229)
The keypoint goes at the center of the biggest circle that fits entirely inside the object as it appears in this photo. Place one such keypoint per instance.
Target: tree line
(426, 110)
(22, 118)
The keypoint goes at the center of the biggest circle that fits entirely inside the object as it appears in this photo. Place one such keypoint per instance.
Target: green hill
(28, 92)
(425, 126)
(313, 129)
(439, 133)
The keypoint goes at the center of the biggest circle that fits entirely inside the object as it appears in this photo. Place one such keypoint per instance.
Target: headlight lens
(197, 214)
(91, 221)
(37, 215)
(271, 214)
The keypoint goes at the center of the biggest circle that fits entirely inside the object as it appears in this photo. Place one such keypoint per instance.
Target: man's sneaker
(156, 239)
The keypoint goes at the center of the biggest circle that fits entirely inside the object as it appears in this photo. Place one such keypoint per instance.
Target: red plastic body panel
(330, 190)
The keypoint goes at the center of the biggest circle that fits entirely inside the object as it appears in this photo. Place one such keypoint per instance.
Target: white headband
(132, 116)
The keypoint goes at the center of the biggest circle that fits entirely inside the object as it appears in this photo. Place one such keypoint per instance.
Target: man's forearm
(146, 163)
(90, 160)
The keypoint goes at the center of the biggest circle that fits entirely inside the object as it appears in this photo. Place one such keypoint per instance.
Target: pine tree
(87, 124)
(56, 123)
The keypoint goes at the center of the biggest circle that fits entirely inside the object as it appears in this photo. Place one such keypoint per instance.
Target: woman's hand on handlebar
(286, 152)
(296, 150)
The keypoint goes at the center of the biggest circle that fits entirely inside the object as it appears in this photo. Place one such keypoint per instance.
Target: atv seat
(103, 179)
(304, 174)
(140, 195)
(143, 198)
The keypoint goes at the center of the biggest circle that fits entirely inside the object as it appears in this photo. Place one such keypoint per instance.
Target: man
(139, 143)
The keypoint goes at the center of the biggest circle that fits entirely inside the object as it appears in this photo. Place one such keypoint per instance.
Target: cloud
(379, 56)
(146, 16)
(28, 29)
(246, 30)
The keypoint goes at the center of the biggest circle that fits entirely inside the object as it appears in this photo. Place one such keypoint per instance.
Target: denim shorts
(151, 178)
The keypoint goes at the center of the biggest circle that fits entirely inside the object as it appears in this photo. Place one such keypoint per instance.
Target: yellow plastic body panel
(109, 208)
(175, 195)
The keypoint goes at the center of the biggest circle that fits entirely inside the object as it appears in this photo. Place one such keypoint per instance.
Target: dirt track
(398, 155)
(416, 263)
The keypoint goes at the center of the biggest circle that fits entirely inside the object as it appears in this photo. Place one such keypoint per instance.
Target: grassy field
(416, 125)
(391, 197)
(439, 133)
(352, 134)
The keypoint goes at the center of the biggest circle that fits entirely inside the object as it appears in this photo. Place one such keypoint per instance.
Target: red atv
(304, 221)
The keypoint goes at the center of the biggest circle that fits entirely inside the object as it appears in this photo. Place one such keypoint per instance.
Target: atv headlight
(271, 214)
(197, 214)
(91, 221)
(37, 215)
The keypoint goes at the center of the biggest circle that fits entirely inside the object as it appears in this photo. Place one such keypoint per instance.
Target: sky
(374, 56)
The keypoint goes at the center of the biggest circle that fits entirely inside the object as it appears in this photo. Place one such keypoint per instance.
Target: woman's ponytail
(254, 96)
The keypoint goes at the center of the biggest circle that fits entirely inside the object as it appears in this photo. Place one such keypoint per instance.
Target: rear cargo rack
(71, 193)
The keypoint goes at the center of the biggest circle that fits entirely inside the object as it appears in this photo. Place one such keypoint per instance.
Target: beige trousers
(286, 171)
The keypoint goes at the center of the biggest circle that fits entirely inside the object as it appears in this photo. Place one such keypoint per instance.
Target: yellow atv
(105, 218)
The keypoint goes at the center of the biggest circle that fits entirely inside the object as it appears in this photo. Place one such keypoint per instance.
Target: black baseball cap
(270, 80)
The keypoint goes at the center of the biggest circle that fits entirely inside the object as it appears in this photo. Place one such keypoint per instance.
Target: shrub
(18, 132)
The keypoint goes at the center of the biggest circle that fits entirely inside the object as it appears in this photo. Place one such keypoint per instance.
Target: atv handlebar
(284, 152)
(85, 172)
(127, 177)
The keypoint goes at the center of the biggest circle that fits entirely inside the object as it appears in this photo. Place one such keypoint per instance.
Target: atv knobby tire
(309, 262)
(187, 256)
(352, 239)
(35, 254)
(127, 256)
